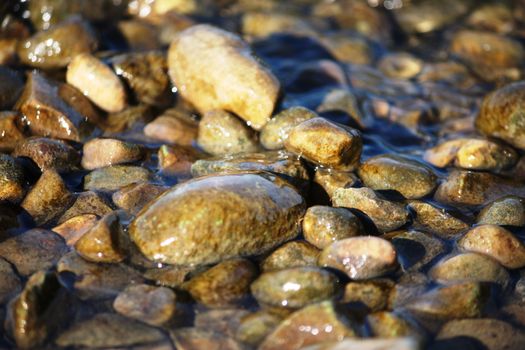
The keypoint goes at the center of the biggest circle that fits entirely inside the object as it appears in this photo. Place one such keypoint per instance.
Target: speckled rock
(310, 325)
(470, 267)
(496, 242)
(291, 254)
(276, 131)
(225, 284)
(11, 283)
(99, 153)
(33, 250)
(331, 180)
(173, 126)
(242, 85)
(506, 211)
(97, 81)
(360, 257)
(294, 288)
(48, 154)
(436, 220)
(89, 202)
(493, 334)
(149, 304)
(372, 294)
(253, 328)
(12, 186)
(46, 114)
(191, 223)
(101, 243)
(134, 197)
(501, 114)
(325, 143)
(106, 330)
(114, 177)
(472, 154)
(56, 47)
(391, 172)
(385, 214)
(48, 198)
(72, 229)
(10, 131)
(146, 74)
(220, 132)
(323, 225)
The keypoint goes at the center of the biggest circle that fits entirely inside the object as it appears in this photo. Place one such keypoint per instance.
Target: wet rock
(225, 284)
(146, 74)
(177, 160)
(391, 172)
(242, 85)
(472, 154)
(173, 127)
(360, 257)
(470, 267)
(48, 198)
(277, 162)
(131, 118)
(108, 330)
(276, 131)
(496, 242)
(134, 197)
(342, 100)
(195, 338)
(97, 281)
(254, 327)
(81, 104)
(12, 180)
(400, 65)
(168, 276)
(9, 129)
(115, 177)
(97, 81)
(493, 334)
(409, 286)
(139, 35)
(295, 287)
(11, 85)
(222, 133)
(262, 24)
(99, 153)
(48, 154)
(385, 214)
(56, 47)
(101, 243)
(325, 143)
(494, 17)
(310, 325)
(323, 225)
(331, 180)
(501, 115)
(291, 254)
(369, 344)
(224, 321)
(436, 220)
(46, 114)
(72, 229)
(461, 300)
(88, 202)
(372, 294)
(33, 250)
(11, 283)
(506, 211)
(475, 188)
(390, 325)
(173, 228)
(149, 304)
(36, 311)
(348, 47)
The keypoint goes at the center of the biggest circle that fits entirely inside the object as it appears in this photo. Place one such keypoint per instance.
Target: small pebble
(113, 178)
(72, 229)
(276, 131)
(291, 254)
(174, 127)
(99, 153)
(134, 197)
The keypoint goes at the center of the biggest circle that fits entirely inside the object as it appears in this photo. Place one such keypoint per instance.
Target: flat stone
(496, 242)
(385, 214)
(48, 198)
(149, 304)
(97, 82)
(291, 254)
(99, 153)
(221, 133)
(326, 144)
(276, 131)
(323, 225)
(295, 287)
(10, 131)
(49, 154)
(242, 85)
(12, 180)
(115, 177)
(437, 220)
(506, 211)
(191, 223)
(173, 126)
(360, 257)
(391, 172)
